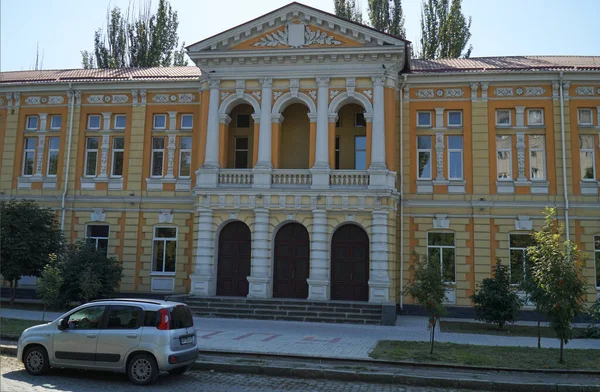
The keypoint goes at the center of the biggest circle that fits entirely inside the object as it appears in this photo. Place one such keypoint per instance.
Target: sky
(62, 28)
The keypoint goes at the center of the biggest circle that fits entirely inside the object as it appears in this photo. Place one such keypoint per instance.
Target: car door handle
(91, 335)
(132, 336)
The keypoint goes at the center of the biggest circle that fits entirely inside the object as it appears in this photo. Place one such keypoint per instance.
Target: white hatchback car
(140, 337)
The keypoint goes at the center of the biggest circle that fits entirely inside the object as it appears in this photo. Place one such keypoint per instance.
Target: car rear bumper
(179, 359)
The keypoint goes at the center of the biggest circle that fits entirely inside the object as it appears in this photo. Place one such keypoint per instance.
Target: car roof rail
(142, 300)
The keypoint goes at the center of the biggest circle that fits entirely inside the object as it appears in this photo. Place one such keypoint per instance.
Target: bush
(593, 330)
(495, 301)
(49, 286)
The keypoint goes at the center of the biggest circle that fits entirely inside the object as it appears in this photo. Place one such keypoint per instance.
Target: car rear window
(181, 317)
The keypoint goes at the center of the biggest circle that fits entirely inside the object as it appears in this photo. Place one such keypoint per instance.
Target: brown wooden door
(234, 260)
(292, 257)
(350, 264)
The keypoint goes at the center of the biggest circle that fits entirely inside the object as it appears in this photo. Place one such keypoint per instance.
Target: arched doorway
(350, 264)
(233, 267)
(291, 262)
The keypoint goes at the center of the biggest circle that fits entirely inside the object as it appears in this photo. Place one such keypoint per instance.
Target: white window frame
(596, 255)
(107, 238)
(25, 152)
(115, 121)
(591, 112)
(185, 116)
(181, 152)
(442, 247)
(592, 150)
(162, 150)
(165, 240)
(154, 121)
(115, 150)
(430, 124)
(50, 151)
(543, 151)
(461, 119)
(90, 116)
(524, 250)
(37, 123)
(529, 124)
(509, 118)
(429, 150)
(462, 161)
(87, 153)
(510, 158)
(356, 150)
(52, 117)
(236, 149)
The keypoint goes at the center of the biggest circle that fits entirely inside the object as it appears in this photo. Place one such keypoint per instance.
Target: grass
(11, 329)
(488, 356)
(492, 329)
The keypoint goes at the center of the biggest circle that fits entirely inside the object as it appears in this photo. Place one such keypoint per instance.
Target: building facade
(308, 157)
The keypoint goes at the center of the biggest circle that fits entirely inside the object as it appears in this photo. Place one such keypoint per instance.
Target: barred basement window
(97, 236)
(441, 249)
(519, 267)
(164, 249)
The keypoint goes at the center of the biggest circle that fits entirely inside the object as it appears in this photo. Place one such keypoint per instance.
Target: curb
(8, 350)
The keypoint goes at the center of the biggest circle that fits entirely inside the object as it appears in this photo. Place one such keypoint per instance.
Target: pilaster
(379, 278)
(318, 282)
(260, 278)
(203, 281)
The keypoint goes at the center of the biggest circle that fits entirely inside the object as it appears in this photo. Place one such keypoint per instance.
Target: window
(424, 157)
(455, 157)
(240, 158)
(503, 118)
(242, 121)
(28, 156)
(597, 258)
(55, 121)
(441, 249)
(31, 123)
(86, 318)
(537, 157)
(337, 153)
(584, 117)
(91, 156)
(359, 120)
(160, 121)
(535, 117)
(93, 121)
(423, 119)
(164, 249)
(120, 121)
(158, 155)
(519, 267)
(97, 236)
(185, 156)
(586, 157)
(455, 119)
(187, 121)
(360, 153)
(53, 146)
(504, 157)
(123, 317)
(118, 152)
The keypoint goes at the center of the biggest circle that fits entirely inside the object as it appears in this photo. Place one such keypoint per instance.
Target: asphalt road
(14, 379)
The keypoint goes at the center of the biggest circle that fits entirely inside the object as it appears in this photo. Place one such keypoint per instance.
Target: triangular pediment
(295, 26)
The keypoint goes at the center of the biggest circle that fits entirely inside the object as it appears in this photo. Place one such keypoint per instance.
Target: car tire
(36, 360)
(178, 371)
(142, 369)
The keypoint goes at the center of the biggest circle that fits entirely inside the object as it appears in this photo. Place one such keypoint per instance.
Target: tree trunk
(432, 337)
(13, 289)
(561, 351)
(44, 313)
(539, 330)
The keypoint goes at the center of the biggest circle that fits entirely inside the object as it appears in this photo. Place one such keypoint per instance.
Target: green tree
(29, 234)
(558, 271)
(387, 16)
(49, 286)
(445, 31)
(348, 9)
(428, 289)
(495, 301)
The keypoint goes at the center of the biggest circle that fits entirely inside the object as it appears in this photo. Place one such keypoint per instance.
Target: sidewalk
(323, 340)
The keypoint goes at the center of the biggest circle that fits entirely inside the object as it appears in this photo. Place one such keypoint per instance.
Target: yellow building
(307, 157)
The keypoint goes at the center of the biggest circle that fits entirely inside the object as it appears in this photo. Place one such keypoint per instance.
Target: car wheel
(142, 369)
(36, 360)
(179, 370)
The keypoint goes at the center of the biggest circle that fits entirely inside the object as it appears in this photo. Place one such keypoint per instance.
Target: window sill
(89, 183)
(24, 182)
(424, 186)
(156, 183)
(589, 188)
(505, 187)
(165, 274)
(172, 130)
(457, 186)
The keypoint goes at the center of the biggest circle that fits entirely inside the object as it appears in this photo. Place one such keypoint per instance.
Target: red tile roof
(507, 64)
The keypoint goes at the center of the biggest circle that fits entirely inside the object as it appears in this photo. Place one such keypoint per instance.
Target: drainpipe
(564, 159)
(402, 194)
(66, 179)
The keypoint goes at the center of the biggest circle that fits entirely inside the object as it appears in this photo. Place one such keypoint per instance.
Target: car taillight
(164, 323)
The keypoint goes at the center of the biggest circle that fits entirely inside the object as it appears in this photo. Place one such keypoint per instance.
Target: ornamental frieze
(51, 100)
(586, 90)
(534, 91)
(430, 93)
(173, 98)
(107, 99)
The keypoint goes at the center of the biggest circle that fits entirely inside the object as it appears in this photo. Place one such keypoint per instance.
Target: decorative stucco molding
(441, 221)
(425, 93)
(523, 223)
(534, 91)
(454, 92)
(504, 92)
(585, 90)
(165, 216)
(98, 215)
(297, 35)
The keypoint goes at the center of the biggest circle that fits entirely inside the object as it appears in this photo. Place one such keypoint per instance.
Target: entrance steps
(287, 309)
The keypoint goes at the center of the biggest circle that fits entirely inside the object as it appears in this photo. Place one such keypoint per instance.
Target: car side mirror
(62, 324)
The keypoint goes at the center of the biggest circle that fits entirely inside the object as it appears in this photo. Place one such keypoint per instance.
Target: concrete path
(321, 339)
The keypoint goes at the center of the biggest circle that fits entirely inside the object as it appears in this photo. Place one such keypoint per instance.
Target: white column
(320, 170)
(211, 158)
(379, 278)
(318, 282)
(378, 132)
(262, 170)
(259, 279)
(439, 156)
(203, 281)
